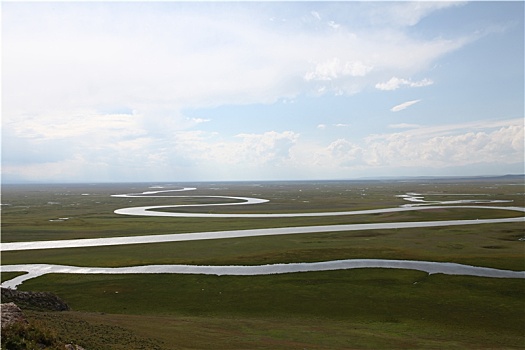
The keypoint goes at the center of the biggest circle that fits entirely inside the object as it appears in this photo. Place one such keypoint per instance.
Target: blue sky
(208, 91)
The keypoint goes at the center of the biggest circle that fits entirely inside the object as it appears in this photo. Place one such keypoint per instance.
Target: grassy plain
(27, 210)
(368, 309)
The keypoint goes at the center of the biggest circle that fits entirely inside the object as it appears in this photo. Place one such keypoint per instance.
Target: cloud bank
(432, 147)
(100, 91)
(137, 57)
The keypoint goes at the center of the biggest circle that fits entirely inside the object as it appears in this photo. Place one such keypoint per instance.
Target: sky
(253, 91)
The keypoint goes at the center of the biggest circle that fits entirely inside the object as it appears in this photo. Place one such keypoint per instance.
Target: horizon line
(367, 178)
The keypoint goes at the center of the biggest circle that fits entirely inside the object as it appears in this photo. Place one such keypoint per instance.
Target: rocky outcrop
(11, 314)
(34, 300)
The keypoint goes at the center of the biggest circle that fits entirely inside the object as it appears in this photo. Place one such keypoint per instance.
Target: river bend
(35, 270)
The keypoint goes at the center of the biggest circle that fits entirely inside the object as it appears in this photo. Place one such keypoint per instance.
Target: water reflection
(36, 270)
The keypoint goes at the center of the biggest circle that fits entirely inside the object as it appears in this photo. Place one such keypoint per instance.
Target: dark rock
(11, 314)
(34, 300)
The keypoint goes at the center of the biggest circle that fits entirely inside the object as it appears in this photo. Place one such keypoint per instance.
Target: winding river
(417, 203)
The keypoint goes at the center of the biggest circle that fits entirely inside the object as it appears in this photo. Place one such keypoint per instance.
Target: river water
(35, 270)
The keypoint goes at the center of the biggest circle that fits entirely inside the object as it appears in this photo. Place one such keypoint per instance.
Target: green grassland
(489, 245)
(27, 210)
(354, 309)
(339, 309)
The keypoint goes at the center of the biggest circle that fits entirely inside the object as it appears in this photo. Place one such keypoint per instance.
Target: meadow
(361, 309)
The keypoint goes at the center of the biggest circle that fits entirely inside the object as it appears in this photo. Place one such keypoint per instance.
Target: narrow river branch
(35, 270)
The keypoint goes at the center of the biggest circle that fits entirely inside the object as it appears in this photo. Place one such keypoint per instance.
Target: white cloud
(503, 145)
(333, 69)
(160, 60)
(454, 129)
(433, 147)
(90, 55)
(346, 153)
(316, 15)
(403, 105)
(408, 13)
(47, 171)
(197, 154)
(338, 125)
(455, 144)
(404, 126)
(395, 83)
(199, 120)
(75, 124)
(270, 148)
(334, 25)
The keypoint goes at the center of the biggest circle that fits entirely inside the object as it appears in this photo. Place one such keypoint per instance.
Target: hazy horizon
(360, 179)
(109, 92)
